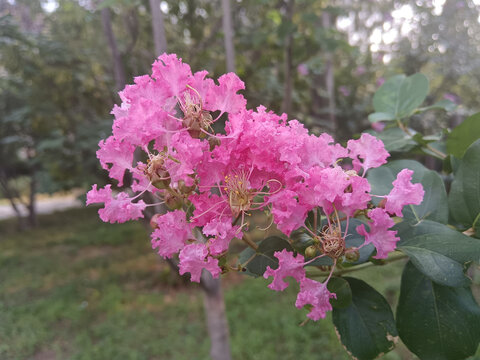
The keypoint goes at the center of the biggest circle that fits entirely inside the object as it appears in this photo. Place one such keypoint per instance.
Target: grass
(76, 288)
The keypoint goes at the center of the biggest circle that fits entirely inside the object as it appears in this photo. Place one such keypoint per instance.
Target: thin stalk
(355, 268)
(440, 154)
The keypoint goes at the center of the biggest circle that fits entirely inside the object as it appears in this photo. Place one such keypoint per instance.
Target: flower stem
(249, 242)
(338, 272)
(440, 154)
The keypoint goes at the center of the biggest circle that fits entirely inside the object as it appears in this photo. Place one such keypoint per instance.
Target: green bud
(311, 251)
(352, 256)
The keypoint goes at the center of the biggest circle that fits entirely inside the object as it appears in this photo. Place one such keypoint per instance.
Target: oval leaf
(464, 197)
(400, 96)
(341, 289)
(437, 322)
(366, 327)
(464, 135)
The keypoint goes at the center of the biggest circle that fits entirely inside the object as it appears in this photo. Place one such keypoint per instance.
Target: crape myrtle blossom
(164, 142)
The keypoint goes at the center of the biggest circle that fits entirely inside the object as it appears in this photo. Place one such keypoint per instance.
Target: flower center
(333, 244)
(195, 119)
(240, 195)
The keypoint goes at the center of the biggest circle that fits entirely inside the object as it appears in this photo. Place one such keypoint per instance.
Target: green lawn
(76, 288)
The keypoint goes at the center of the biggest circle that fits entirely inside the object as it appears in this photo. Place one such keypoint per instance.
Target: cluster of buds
(261, 162)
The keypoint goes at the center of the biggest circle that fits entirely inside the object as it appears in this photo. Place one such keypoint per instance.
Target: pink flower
(384, 240)
(403, 193)
(224, 97)
(345, 91)
(288, 214)
(223, 231)
(172, 233)
(324, 187)
(357, 195)
(378, 126)
(316, 294)
(302, 69)
(117, 209)
(193, 259)
(288, 265)
(116, 157)
(369, 149)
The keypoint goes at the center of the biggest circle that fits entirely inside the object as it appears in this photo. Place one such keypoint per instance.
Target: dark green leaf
(434, 204)
(366, 327)
(436, 266)
(464, 197)
(342, 290)
(264, 256)
(437, 322)
(438, 238)
(401, 95)
(463, 136)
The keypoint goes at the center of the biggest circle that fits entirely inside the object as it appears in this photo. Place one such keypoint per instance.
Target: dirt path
(44, 205)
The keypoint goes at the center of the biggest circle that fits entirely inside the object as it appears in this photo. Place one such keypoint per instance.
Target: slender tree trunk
(228, 35)
(118, 70)
(158, 26)
(216, 317)
(32, 211)
(329, 78)
(288, 81)
(8, 193)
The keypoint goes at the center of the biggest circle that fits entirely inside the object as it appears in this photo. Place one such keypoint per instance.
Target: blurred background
(72, 287)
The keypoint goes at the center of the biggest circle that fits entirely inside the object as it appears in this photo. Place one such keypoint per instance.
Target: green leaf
(444, 104)
(463, 136)
(436, 266)
(437, 322)
(438, 238)
(434, 204)
(366, 327)
(396, 140)
(378, 116)
(342, 290)
(400, 95)
(264, 256)
(464, 197)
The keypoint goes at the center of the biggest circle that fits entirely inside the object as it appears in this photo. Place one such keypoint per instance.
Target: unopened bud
(352, 256)
(153, 221)
(310, 251)
(213, 141)
(382, 203)
(184, 189)
(173, 202)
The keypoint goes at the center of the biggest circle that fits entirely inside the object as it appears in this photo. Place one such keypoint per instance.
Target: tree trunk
(288, 81)
(32, 211)
(118, 70)
(216, 317)
(228, 35)
(329, 79)
(158, 26)
(8, 193)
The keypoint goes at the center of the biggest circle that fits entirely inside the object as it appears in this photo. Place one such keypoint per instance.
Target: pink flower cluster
(166, 140)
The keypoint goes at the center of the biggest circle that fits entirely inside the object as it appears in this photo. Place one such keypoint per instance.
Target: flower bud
(184, 189)
(153, 221)
(352, 256)
(173, 202)
(310, 252)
